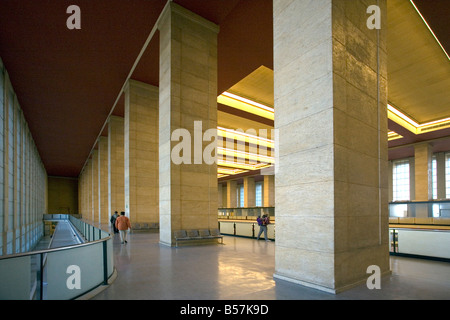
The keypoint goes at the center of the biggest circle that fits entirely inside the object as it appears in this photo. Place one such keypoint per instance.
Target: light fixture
(247, 105)
(245, 155)
(230, 171)
(393, 136)
(241, 165)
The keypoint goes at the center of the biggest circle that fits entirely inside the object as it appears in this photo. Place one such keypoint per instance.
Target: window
(400, 180)
(258, 194)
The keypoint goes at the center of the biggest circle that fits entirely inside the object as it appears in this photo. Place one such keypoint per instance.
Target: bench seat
(202, 234)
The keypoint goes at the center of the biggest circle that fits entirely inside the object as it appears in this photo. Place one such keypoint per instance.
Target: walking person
(123, 224)
(113, 221)
(262, 222)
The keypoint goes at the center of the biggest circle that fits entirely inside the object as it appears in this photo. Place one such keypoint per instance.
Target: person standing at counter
(263, 222)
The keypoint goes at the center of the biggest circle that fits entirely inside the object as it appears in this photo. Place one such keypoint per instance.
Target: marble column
(231, 194)
(422, 171)
(88, 173)
(440, 173)
(249, 192)
(330, 112)
(269, 191)
(188, 103)
(116, 171)
(95, 198)
(103, 215)
(219, 195)
(141, 152)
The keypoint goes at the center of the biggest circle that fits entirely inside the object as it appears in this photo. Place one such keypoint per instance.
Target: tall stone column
(188, 103)
(116, 159)
(231, 194)
(331, 184)
(219, 195)
(249, 192)
(88, 176)
(141, 152)
(103, 216)
(422, 171)
(440, 173)
(95, 198)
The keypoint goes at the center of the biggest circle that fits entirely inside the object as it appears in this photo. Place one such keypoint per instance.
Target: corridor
(242, 269)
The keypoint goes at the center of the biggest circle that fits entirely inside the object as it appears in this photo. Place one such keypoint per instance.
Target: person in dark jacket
(113, 221)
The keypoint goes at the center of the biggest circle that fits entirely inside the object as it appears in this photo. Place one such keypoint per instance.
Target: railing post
(41, 277)
(105, 263)
(394, 239)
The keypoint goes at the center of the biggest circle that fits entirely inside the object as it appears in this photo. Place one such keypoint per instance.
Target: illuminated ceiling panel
(247, 105)
(398, 117)
(232, 161)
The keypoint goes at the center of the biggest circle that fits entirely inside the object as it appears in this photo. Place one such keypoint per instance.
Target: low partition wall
(245, 228)
(421, 243)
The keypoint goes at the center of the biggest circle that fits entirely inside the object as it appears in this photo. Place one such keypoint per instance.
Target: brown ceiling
(67, 81)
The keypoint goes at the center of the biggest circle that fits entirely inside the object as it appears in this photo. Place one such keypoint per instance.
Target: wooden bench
(192, 235)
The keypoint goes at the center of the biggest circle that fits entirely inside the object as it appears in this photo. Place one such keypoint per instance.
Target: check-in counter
(245, 228)
(421, 236)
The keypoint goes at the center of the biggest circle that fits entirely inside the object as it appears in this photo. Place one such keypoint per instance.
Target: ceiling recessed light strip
(245, 155)
(245, 137)
(393, 136)
(402, 119)
(229, 171)
(241, 165)
(416, 128)
(247, 105)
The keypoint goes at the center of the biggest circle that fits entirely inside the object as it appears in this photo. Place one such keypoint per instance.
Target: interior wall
(62, 195)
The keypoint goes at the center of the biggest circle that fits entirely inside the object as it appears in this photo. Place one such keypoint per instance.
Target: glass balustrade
(62, 273)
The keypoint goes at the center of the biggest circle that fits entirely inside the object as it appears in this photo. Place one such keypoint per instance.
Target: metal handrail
(44, 252)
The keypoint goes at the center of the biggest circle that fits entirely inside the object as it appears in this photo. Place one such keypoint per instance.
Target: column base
(325, 289)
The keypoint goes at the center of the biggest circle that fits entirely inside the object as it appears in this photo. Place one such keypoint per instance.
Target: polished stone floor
(242, 269)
